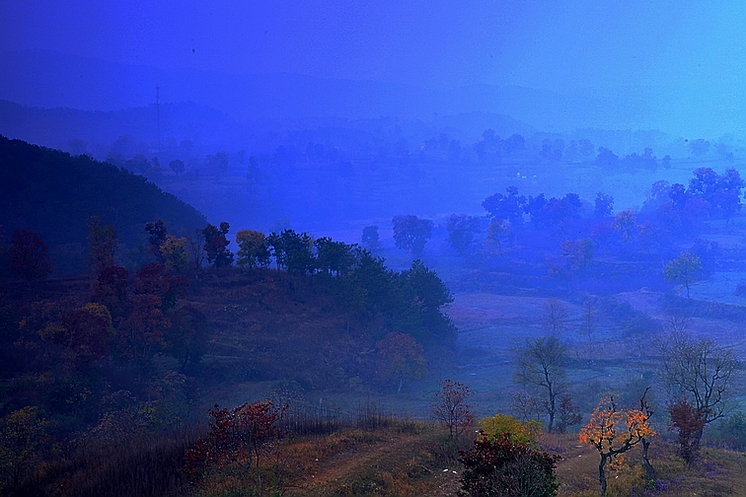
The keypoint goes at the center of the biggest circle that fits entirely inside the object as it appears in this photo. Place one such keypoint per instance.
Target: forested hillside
(55, 194)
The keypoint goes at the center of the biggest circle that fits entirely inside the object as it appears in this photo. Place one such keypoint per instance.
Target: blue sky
(691, 53)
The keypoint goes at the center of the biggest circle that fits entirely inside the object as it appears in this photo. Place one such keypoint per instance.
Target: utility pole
(158, 110)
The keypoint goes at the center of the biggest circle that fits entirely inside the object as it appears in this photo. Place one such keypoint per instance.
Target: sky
(689, 55)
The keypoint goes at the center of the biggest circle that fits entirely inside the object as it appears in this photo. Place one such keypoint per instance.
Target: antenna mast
(158, 110)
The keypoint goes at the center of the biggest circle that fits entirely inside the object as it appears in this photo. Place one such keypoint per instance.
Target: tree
(683, 269)
(699, 372)
(174, 254)
(156, 237)
(333, 258)
(142, 334)
(216, 245)
(240, 434)
(625, 223)
(500, 426)
(22, 434)
(401, 358)
(555, 316)
(541, 364)
(505, 468)
(497, 230)
(252, 249)
(508, 207)
(29, 256)
(298, 252)
(604, 205)
(87, 331)
(177, 166)
(102, 244)
(612, 432)
(186, 338)
(412, 233)
(689, 422)
(111, 290)
(451, 407)
(568, 414)
(370, 238)
(461, 231)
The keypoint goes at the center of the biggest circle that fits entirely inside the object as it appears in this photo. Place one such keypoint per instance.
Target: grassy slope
(411, 459)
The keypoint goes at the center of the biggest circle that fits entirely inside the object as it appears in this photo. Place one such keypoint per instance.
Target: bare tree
(590, 311)
(677, 321)
(698, 371)
(555, 316)
(451, 407)
(541, 364)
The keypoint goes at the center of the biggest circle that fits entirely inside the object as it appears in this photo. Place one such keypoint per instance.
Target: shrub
(506, 468)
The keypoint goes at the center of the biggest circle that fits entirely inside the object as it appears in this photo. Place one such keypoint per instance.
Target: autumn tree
(688, 422)
(451, 407)
(241, 434)
(216, 245)
(461, 230)
(540, 367)
(86, 331)
(175, 255)
(698, 373)
(252, 249)
(29, 256)
(506, 468)
(412, 233)
(613, 432)
(22, 434)
(111, 289)
(153, 279)
(142, 334)
(683, 270)
(401, 358)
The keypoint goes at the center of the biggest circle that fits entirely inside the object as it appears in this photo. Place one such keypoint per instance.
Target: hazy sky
(684, 47)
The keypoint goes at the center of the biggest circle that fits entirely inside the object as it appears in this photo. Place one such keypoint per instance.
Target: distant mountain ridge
(49, 79)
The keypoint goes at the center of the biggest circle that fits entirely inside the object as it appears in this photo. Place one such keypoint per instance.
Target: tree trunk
(649, 469)
(602, 476)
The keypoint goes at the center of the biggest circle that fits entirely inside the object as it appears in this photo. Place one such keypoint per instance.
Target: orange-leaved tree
(612, 432)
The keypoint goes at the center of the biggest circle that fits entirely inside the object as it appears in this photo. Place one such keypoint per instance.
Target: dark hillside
(54, 193)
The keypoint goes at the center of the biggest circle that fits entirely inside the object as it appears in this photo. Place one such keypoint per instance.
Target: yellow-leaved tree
(612, 432)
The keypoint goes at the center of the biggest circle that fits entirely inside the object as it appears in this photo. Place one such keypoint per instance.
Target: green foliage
(216, 245)
(370, 238)
(501, 426)
(683, 269)
(412, 233)
(461, 230)
(253, 250)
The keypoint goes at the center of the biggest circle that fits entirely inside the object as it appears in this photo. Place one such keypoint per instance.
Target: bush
(506, 468)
